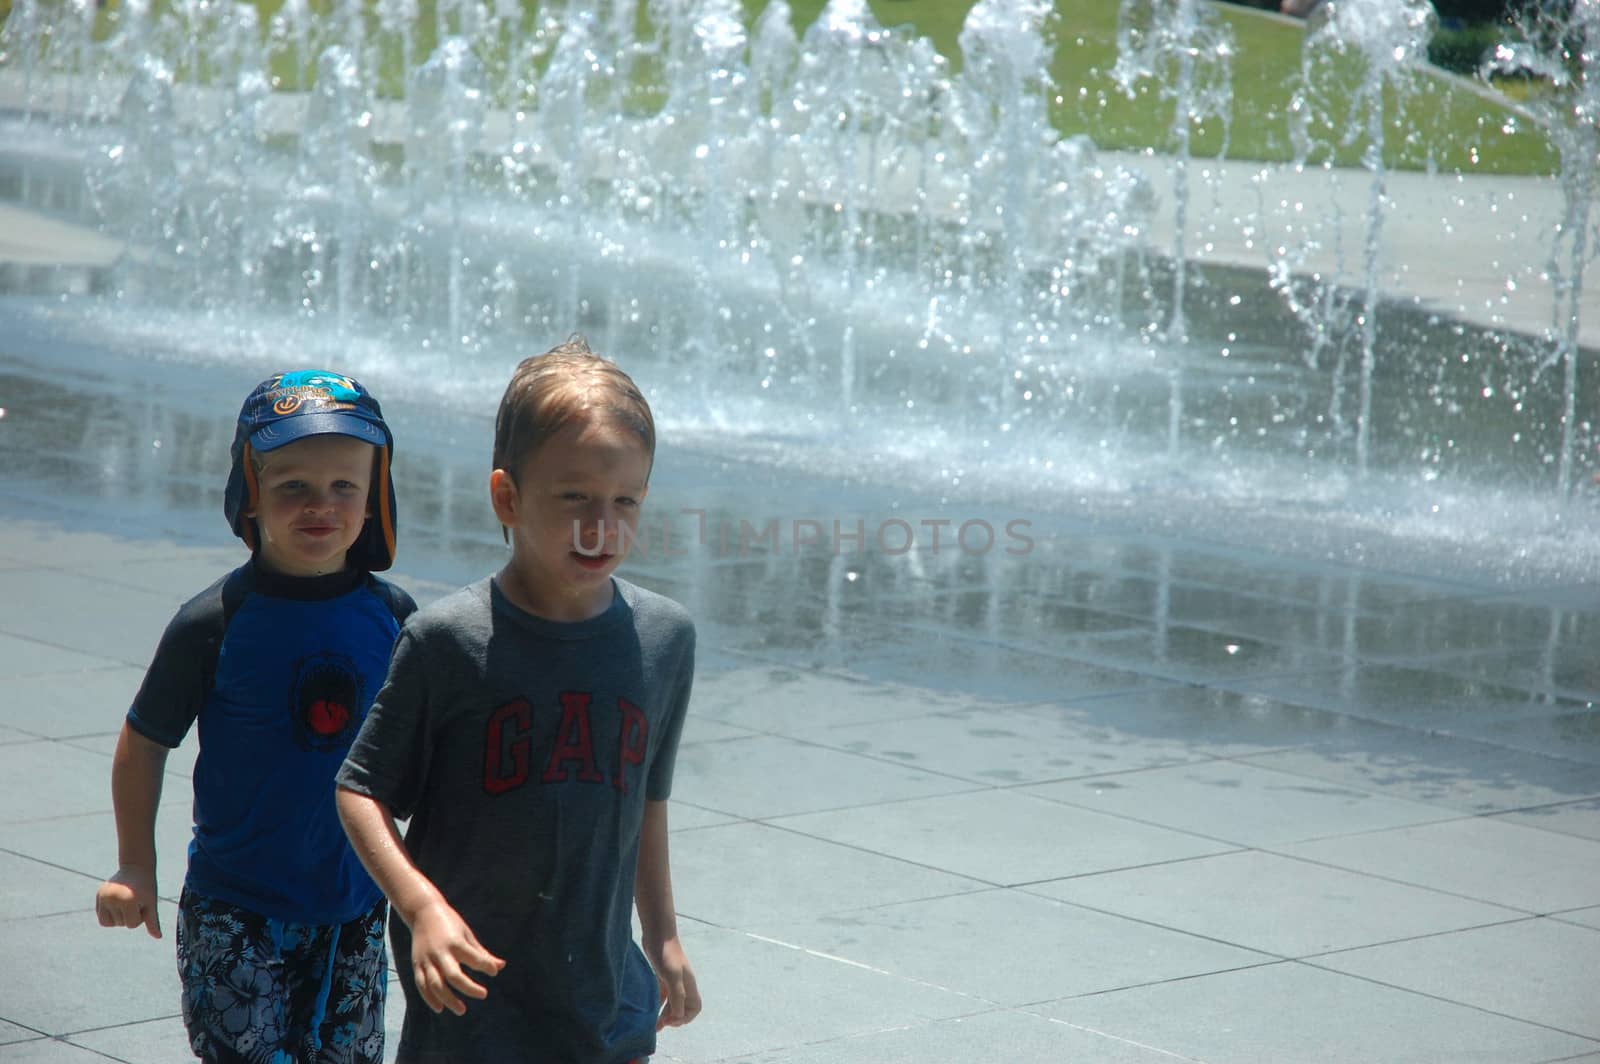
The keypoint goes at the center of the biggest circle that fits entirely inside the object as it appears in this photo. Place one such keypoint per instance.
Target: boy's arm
(441, 942)
(128, 898)
(658, 921)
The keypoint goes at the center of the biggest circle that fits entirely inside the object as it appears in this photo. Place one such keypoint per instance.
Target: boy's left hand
(680, 995)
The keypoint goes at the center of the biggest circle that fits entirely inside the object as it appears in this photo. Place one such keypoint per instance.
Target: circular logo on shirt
(325, 702)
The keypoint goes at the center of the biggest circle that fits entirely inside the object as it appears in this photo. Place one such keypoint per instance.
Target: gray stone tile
(175, 577)
(21, 657)
(999, 745)
(1538, 648)
(798, 631)
(698, 729)
(11, 735)
(989, 671)
(30, 887)
(1538, 970)
(782, 876)
(1015, 1033)
(48, 994)
(685, 817)
(1014, 617)
(1200, 655)
(801, 703)
(87, 843)
(40, 544)
(1476, 635)
(394, 1015)
(10, 1033)
(1569, 730)
(1011, 948)
(1003, 836)
(1480, 857)
(1238, 803)
(1275, 904)
(1569, 818)
(1222, 578)
(51, 779)
(180, 761)
(1209, 721)
(1366, 621)
(58, 705)
(1107, 587)
(1411, 696)
(1473, 777)
(765, 996)
(68, 610)
(49, 1051)
(161, 1041)
(1290, 1013)
(769, 776)
(1588, 917)
(1254, 614)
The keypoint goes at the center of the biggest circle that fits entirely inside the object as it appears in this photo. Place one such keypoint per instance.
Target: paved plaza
(1125, 796)
(1132, 794)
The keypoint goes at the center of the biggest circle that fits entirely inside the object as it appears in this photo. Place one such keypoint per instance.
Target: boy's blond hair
(547, 391)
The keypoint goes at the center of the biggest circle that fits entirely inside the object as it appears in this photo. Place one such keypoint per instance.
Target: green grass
(1440, 122)
(1436, 122)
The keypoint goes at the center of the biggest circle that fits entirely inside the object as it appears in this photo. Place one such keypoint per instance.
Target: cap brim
(317, 423)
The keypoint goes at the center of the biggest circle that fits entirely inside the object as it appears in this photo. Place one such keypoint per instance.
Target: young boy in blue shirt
(280, 929)
(528, 728)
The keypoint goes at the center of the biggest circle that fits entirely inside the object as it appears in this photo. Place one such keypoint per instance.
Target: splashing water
(829, 244)
(1388, 40)
(1186, 50)
(1562, 45)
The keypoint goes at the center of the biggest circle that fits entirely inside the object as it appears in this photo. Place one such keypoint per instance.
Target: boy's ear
(503, 496)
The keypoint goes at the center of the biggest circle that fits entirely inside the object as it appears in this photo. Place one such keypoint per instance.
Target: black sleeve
(388, 760)
(185, 664)
(400, 603)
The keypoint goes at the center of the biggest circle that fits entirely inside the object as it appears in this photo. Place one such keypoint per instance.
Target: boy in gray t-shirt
(528, 727)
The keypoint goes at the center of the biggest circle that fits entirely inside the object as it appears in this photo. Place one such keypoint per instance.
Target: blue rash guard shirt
(278, 672)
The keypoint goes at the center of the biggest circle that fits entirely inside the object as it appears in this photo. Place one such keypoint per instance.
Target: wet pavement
(1043, 787)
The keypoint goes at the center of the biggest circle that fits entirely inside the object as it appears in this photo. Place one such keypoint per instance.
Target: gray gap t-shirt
(523, 750)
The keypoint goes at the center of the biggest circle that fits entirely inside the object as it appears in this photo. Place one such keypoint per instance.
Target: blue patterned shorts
(262, 991)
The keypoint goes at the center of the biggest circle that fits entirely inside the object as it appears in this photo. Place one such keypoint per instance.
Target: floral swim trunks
(257, 990)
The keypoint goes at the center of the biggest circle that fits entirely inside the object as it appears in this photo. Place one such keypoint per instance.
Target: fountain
(1389, 38)
(826, 245)
(1565, 49)
(1186, 49)
(1185, 46)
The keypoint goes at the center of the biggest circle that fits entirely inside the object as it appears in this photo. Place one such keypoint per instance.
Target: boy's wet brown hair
(547, 391)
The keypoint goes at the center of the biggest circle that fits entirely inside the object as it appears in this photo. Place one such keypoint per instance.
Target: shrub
(1474, 10)
(1463, 48)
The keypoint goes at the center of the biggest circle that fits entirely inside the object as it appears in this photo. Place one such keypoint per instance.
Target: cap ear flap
(383, 511)
(373, 549)
(252, 497)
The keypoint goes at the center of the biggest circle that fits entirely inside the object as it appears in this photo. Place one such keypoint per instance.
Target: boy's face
(567, 510)
(313, 503)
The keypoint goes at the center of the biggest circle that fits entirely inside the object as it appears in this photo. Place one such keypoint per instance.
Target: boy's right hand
(442, 947)
(128, 899)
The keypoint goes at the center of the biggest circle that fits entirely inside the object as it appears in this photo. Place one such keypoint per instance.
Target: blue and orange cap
(292, 406)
